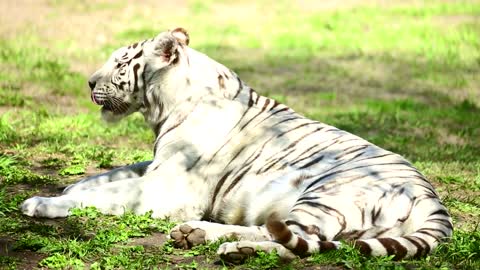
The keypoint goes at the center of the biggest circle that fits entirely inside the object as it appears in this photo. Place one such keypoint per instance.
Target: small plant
(208, 249)
(10, 96)
(13, 173)
(8, 263)
(105, 159)
(350, 257)
(9, 204)
(264, 260)
(60, 261)
(462, 252)
(52, 163)
(7, 133)
(192, 265)
(75, 169)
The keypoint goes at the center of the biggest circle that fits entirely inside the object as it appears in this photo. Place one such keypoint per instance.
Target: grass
(402, 76)
(87, 234)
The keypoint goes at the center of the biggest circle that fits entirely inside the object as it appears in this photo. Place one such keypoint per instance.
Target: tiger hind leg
(286, 243)
(250, 239)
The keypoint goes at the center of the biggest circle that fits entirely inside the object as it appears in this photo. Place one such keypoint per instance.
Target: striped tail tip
(399, 247)
(437, 228)
(299, 246)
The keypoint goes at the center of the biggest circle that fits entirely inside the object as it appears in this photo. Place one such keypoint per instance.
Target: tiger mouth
(94, 99)
(117, 107)
(97, 98)
(112, 104)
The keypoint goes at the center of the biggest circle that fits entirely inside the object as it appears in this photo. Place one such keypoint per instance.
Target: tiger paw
(186, 237)
(238, 252)
(46, 207)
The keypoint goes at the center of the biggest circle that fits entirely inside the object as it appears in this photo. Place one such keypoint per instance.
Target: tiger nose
(92, 84)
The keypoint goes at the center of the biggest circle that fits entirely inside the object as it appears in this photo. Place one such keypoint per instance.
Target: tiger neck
(173, 92)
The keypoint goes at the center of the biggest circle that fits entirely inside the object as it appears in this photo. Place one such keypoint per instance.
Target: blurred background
(402, 74)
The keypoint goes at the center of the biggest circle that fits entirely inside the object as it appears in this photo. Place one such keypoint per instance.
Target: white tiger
(249, 165)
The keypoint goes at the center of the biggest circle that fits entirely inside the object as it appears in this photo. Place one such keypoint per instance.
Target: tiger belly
(258, 196)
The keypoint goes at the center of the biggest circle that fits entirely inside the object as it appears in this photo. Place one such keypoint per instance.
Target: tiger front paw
(185, 236)
(46, 207)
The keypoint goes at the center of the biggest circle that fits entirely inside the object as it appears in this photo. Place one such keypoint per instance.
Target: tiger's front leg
(127, 172)
(175, 199)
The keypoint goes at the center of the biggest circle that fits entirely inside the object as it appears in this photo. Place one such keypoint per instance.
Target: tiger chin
(251, 166)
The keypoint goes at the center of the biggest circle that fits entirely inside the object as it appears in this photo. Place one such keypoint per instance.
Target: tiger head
(122, 85)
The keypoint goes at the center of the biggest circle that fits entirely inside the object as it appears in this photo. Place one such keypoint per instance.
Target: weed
(168, 247)
(208, 249)
(52, 163)
(42, 66)
(463, 252)
(12, 173)
(59, 261)
(9, 203)
(8, 263)
(105, 159)
(12, 99)
(192, 265)
(351, 258)
(75, 169)
(264, 260)
(134, 257)
(7, 133)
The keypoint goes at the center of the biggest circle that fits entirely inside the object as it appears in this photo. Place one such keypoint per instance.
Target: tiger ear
(181, 35)
(165, 47)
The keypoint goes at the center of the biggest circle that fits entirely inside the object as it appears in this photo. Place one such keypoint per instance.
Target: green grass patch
(462, 252)
(10, 96)
(12, 172)
(8, 262)
(88, 235)
(9, 203)
(351, 258)
(264, 260)
(34, 64)
(66, 135)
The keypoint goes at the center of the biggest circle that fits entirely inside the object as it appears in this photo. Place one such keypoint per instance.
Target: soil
(25, 259)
